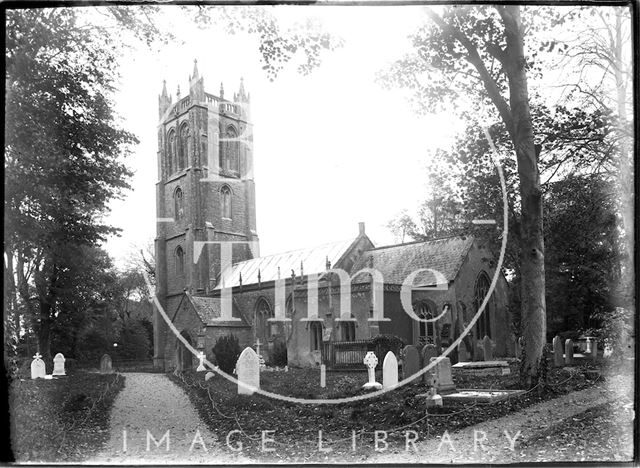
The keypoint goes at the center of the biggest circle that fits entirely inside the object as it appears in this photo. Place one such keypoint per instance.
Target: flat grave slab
(482, 368)
(480, 396)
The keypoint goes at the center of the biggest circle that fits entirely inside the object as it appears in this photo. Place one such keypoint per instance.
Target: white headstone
(58, 364)
(371, 361)
(463, 354)
(323, 376)
(201, 367)
(248, 370)
(208, 375)
(390, 370)
(443, 382)
(38, 369)
(487, 348)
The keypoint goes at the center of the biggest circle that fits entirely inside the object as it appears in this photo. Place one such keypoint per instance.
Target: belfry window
(230, 150)
(179, 261)
(183, 147)
(178, 202)
(225, 201)
(171, 149)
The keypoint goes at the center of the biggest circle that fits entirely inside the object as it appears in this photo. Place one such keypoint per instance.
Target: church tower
(205, 193)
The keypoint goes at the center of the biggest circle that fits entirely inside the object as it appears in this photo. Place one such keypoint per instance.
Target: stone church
(316, 301)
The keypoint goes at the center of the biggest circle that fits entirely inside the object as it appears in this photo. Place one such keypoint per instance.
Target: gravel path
(488, 443)
(150, 404)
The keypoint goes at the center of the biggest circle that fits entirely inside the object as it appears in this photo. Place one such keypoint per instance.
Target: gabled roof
(396, 262)
(207, 308)
(313, 260)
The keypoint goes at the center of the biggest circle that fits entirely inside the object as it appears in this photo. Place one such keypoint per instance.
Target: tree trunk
(534, 320)
(44, 340)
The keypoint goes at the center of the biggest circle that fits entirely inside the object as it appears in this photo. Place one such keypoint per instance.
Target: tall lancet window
(178, 204)
(171, 150)
(483, 325)
(179, 261)
(225, 201)
(183, 147)
(232, 149)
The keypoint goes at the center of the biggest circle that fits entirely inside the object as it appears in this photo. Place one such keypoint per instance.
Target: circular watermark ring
(376, 393)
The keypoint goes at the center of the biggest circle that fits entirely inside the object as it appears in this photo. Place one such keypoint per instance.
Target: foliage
(278, 355)
(62, 420)
(614, 330)
(385, 343)
(133, 342)
(227, 351)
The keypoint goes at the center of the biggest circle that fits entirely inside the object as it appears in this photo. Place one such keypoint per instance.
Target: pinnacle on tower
(178, 93)
(221, 91)
(195, 69)
(241, 96)
(164, 88)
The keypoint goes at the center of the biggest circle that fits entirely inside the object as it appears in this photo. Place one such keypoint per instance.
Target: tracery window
(171, 150)
(348, 331)
(183, 147)
(426, 330)
(179, 261)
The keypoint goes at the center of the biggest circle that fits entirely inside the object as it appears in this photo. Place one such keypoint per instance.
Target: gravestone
(371, 361)
(518, 348)
(558, 358)
(568, 352)
(323, 376)
(463, 354)
(106, 366)
(594, 349)
(411, 363)
(478, 351)
(208, 375)
(487, 348)
(201, 358)
(58, 364)
(389, 370)
(443, 382)
(248, 370)
(432, 398)
(428, 351)
(38, 369)
(589, 346)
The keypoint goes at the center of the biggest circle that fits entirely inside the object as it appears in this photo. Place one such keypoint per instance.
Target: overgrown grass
(296, 426)
(61, 420)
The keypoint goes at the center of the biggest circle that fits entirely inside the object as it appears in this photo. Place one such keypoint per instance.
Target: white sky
(330, 149)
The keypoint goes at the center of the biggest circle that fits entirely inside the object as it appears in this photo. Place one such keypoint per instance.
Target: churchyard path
(487, 442)
(148, 407)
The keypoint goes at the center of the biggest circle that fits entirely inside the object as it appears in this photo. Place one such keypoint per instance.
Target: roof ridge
(463, 237)
(294, 250)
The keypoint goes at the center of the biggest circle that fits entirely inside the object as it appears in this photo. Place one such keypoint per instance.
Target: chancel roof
(396, 262)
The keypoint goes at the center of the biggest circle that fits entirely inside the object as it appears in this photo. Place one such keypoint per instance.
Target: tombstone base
(446, 389)
(431, 400)
(59, 374)
(372, 386)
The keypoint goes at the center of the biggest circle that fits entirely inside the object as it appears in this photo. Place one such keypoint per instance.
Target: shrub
(385, 343)
(226, 351)
(278, 355)
(134, 342)
(615, 330)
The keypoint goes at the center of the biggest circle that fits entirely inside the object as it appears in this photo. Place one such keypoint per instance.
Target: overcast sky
(330, 149)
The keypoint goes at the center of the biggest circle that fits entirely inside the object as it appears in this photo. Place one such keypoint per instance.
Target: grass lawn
(61, 420)
(296, 426)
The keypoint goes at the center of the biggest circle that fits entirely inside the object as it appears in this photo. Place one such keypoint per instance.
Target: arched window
(179, 261)
(264, 329)
(427, 330)
(183, 147)
(225, 201)
(316, 336)
(230, 150)
(483, 325)
(171, 149)
(348, 331)
(178, 204)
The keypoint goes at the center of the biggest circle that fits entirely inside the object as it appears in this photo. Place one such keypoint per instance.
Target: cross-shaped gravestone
(371, 361)
(37, 367)
(201, 367)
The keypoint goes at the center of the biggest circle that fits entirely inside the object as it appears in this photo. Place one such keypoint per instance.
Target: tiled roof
(207, 308)
(313, 260)
(396, 262)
